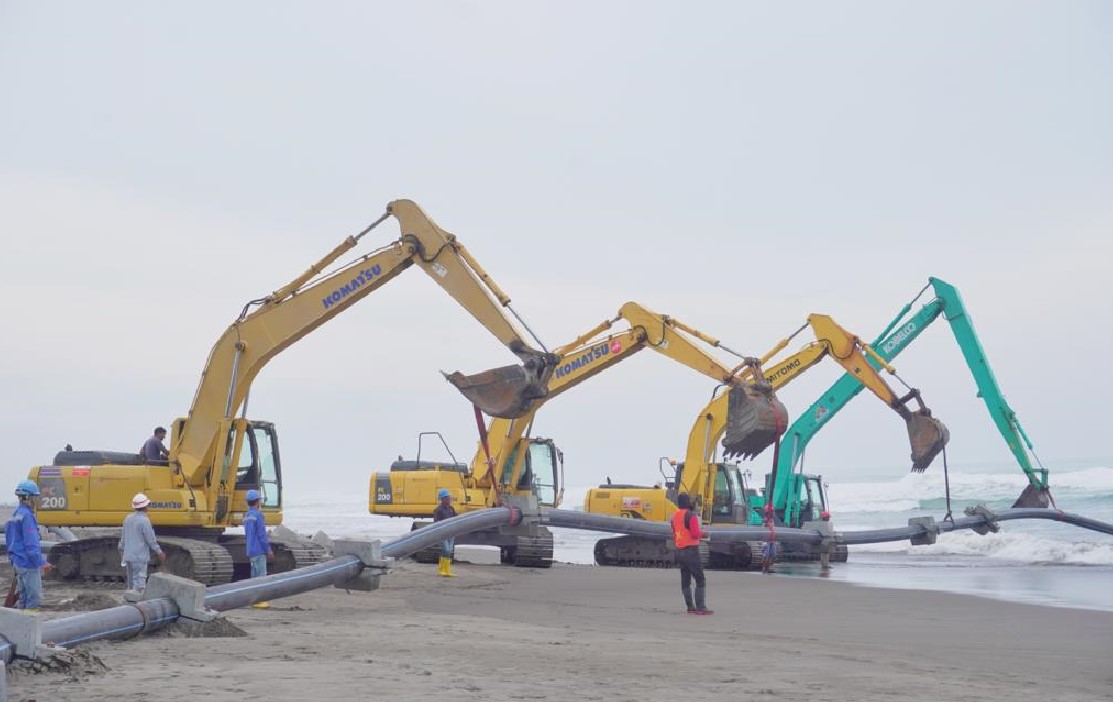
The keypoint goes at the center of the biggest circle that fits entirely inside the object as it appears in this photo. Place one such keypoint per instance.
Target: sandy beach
(574, 632)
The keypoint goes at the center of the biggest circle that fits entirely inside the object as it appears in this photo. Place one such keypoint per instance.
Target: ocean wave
(1006, 546)
(927, 490)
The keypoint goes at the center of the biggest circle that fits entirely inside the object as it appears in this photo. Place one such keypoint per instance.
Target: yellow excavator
(508, 462)
(721, 487)
(216, 456)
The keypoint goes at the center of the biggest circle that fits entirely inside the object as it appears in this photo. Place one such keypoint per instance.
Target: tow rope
(947, 487)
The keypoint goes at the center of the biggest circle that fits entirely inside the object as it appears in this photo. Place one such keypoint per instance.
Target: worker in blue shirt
(24, 551)
(258, 543)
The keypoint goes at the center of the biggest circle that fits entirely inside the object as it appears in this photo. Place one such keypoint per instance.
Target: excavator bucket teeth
(755, 418)
(1033, 497)
(507, 392)
(928, 436)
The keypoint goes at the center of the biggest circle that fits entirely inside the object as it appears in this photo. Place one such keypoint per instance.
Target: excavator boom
(597, 350)
(269, 325)
(901, 332)
(718, 487)
(217, 458)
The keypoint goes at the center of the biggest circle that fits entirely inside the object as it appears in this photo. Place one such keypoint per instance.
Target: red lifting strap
(482, 425)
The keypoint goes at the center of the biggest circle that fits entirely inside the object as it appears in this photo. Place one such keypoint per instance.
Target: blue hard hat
(443, 493)
(253, 495)
(26, 487)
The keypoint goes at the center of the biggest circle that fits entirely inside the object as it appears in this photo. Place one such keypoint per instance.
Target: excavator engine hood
(755, 419)
(506, 392)
(928, 436)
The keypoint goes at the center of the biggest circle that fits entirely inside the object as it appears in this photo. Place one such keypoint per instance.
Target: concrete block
(188, 594)
(366, 581)
(374, 565)
(22, 630)
(283, 533)
(322, 539)
(926, 537)
(370, 553)
(478, 555)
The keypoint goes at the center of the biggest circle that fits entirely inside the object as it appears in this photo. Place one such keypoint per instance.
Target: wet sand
(575, 632)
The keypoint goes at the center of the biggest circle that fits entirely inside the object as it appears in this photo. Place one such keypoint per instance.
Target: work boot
(688, 599)
(445, 568)
(262, 604)
(701, 601)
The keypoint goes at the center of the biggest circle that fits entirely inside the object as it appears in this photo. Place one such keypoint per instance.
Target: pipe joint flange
(987, 515)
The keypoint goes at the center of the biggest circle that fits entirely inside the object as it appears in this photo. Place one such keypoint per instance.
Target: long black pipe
(150, 615)
(570, 519)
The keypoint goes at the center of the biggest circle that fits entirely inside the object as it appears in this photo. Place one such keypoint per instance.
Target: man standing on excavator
(686, 532)
(445, 510)
(154, 451)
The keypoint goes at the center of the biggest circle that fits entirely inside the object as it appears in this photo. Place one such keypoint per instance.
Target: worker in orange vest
(687, 532)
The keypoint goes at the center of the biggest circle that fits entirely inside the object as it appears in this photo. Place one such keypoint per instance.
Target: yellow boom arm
(269, 325)
(587, 356)
(926, 434)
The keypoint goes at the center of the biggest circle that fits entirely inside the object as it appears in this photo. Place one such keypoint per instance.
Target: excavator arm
(271, 324)
(901, 332)
(589, 355)
(926, 434)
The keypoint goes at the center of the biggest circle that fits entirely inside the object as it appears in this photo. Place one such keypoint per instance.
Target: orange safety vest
(680, 532)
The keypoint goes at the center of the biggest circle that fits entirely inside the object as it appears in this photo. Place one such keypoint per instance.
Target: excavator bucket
(1033, 497)
(928, 436)
(507, 392)
(755, 418)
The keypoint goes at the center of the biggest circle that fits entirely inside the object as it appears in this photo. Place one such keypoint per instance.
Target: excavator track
(289, 555)
(534, 551)
(98, 560)
(640, 552)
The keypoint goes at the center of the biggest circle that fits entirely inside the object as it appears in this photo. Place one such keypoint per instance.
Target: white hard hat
(139, 501)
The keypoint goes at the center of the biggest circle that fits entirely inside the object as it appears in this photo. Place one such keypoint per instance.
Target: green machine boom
(799, 498)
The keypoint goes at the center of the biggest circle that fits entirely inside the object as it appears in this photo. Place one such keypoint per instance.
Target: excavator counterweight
(755, 419)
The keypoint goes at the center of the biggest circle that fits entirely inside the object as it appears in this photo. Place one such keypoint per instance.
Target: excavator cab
(755, 419)
(506, 392)
(806, 500)
(542, 474)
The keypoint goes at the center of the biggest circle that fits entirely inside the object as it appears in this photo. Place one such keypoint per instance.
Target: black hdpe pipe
(151, 615)
(570, 519)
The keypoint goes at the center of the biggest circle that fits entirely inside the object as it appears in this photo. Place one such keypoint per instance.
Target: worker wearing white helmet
(137, 542)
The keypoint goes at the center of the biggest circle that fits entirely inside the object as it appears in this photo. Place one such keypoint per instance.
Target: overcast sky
(737, 165)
